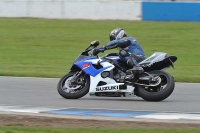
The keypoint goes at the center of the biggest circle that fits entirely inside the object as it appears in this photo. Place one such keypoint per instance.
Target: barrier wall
(171, 11)
(72, 9)
(102, 9)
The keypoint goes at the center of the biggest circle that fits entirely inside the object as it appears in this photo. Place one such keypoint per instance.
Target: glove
(94, 43)
(97, 51)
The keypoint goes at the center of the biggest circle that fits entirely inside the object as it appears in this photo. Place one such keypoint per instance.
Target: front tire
(159, 92)
(73, 93)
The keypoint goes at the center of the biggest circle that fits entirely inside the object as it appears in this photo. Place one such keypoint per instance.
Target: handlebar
(92, 49)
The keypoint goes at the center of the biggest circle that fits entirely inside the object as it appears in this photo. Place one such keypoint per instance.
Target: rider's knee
(123, 53)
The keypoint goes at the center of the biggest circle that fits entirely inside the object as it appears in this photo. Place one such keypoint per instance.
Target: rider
(130, 50)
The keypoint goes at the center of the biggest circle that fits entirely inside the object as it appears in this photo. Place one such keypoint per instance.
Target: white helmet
(117, 34)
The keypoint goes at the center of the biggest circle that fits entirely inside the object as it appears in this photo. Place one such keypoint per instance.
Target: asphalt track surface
(42, 92)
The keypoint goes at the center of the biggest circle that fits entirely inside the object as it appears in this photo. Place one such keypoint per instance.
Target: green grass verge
(14, 129)
(47, 48)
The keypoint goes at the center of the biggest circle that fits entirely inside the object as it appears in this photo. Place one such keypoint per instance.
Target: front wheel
(70, 90)
(159, 92)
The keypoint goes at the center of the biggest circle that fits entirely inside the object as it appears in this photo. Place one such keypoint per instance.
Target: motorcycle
(107, 77)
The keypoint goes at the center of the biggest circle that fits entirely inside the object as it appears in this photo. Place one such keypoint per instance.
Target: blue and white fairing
(88, 68)
(87, 65)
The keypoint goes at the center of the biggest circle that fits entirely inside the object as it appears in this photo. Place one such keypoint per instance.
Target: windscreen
(82, 57)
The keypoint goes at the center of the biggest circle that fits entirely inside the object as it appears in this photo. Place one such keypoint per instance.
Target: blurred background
(42, 38)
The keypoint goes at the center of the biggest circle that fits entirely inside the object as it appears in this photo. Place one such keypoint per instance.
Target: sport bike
(107, 77)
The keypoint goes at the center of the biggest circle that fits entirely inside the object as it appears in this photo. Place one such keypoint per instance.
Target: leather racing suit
(130, 51)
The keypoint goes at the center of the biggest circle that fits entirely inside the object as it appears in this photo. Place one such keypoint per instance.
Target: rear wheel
(70, 90)
(160, 91)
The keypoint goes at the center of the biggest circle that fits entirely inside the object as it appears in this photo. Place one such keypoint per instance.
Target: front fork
(77, 80)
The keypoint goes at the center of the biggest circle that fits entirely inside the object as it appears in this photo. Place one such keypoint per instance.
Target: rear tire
(81, 91)
(166, 79)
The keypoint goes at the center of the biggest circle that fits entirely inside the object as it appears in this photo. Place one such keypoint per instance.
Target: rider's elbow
(125, 44)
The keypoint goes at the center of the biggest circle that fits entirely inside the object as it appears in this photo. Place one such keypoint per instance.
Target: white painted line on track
(24, 109)
(169, 116)
(135, 114)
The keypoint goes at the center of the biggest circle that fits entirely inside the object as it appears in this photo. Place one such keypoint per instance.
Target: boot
(132, 75)
(135, 70)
